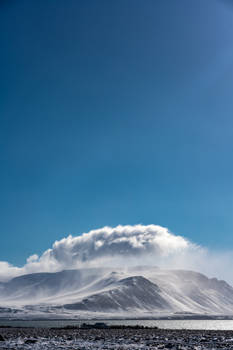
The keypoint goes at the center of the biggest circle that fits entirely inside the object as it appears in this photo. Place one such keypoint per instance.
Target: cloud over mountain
(122, 246)
(121, 241)
(115, 245)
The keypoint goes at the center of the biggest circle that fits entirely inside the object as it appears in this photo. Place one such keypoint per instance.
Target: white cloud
(109, 242)
(122, 245)
(32, 258)
(8, 271)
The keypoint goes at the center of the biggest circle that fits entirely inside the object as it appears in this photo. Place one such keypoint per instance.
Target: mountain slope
(130, 290)
(130, 293)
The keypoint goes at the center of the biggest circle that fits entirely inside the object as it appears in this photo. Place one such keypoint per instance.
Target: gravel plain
(93, 339)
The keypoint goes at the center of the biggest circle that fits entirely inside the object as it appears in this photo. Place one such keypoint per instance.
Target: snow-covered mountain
(131, 291)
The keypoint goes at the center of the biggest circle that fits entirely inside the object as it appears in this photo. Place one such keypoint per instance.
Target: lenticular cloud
(116, 246)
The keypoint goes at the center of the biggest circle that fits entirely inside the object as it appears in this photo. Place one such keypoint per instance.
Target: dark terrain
(126, 338)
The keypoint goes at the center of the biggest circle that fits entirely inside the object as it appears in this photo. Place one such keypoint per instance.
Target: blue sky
(115, 112)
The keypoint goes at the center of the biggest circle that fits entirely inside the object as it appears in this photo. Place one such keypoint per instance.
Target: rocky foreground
(93, 339)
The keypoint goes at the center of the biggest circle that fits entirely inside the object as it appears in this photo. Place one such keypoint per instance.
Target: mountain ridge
(132, 290)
